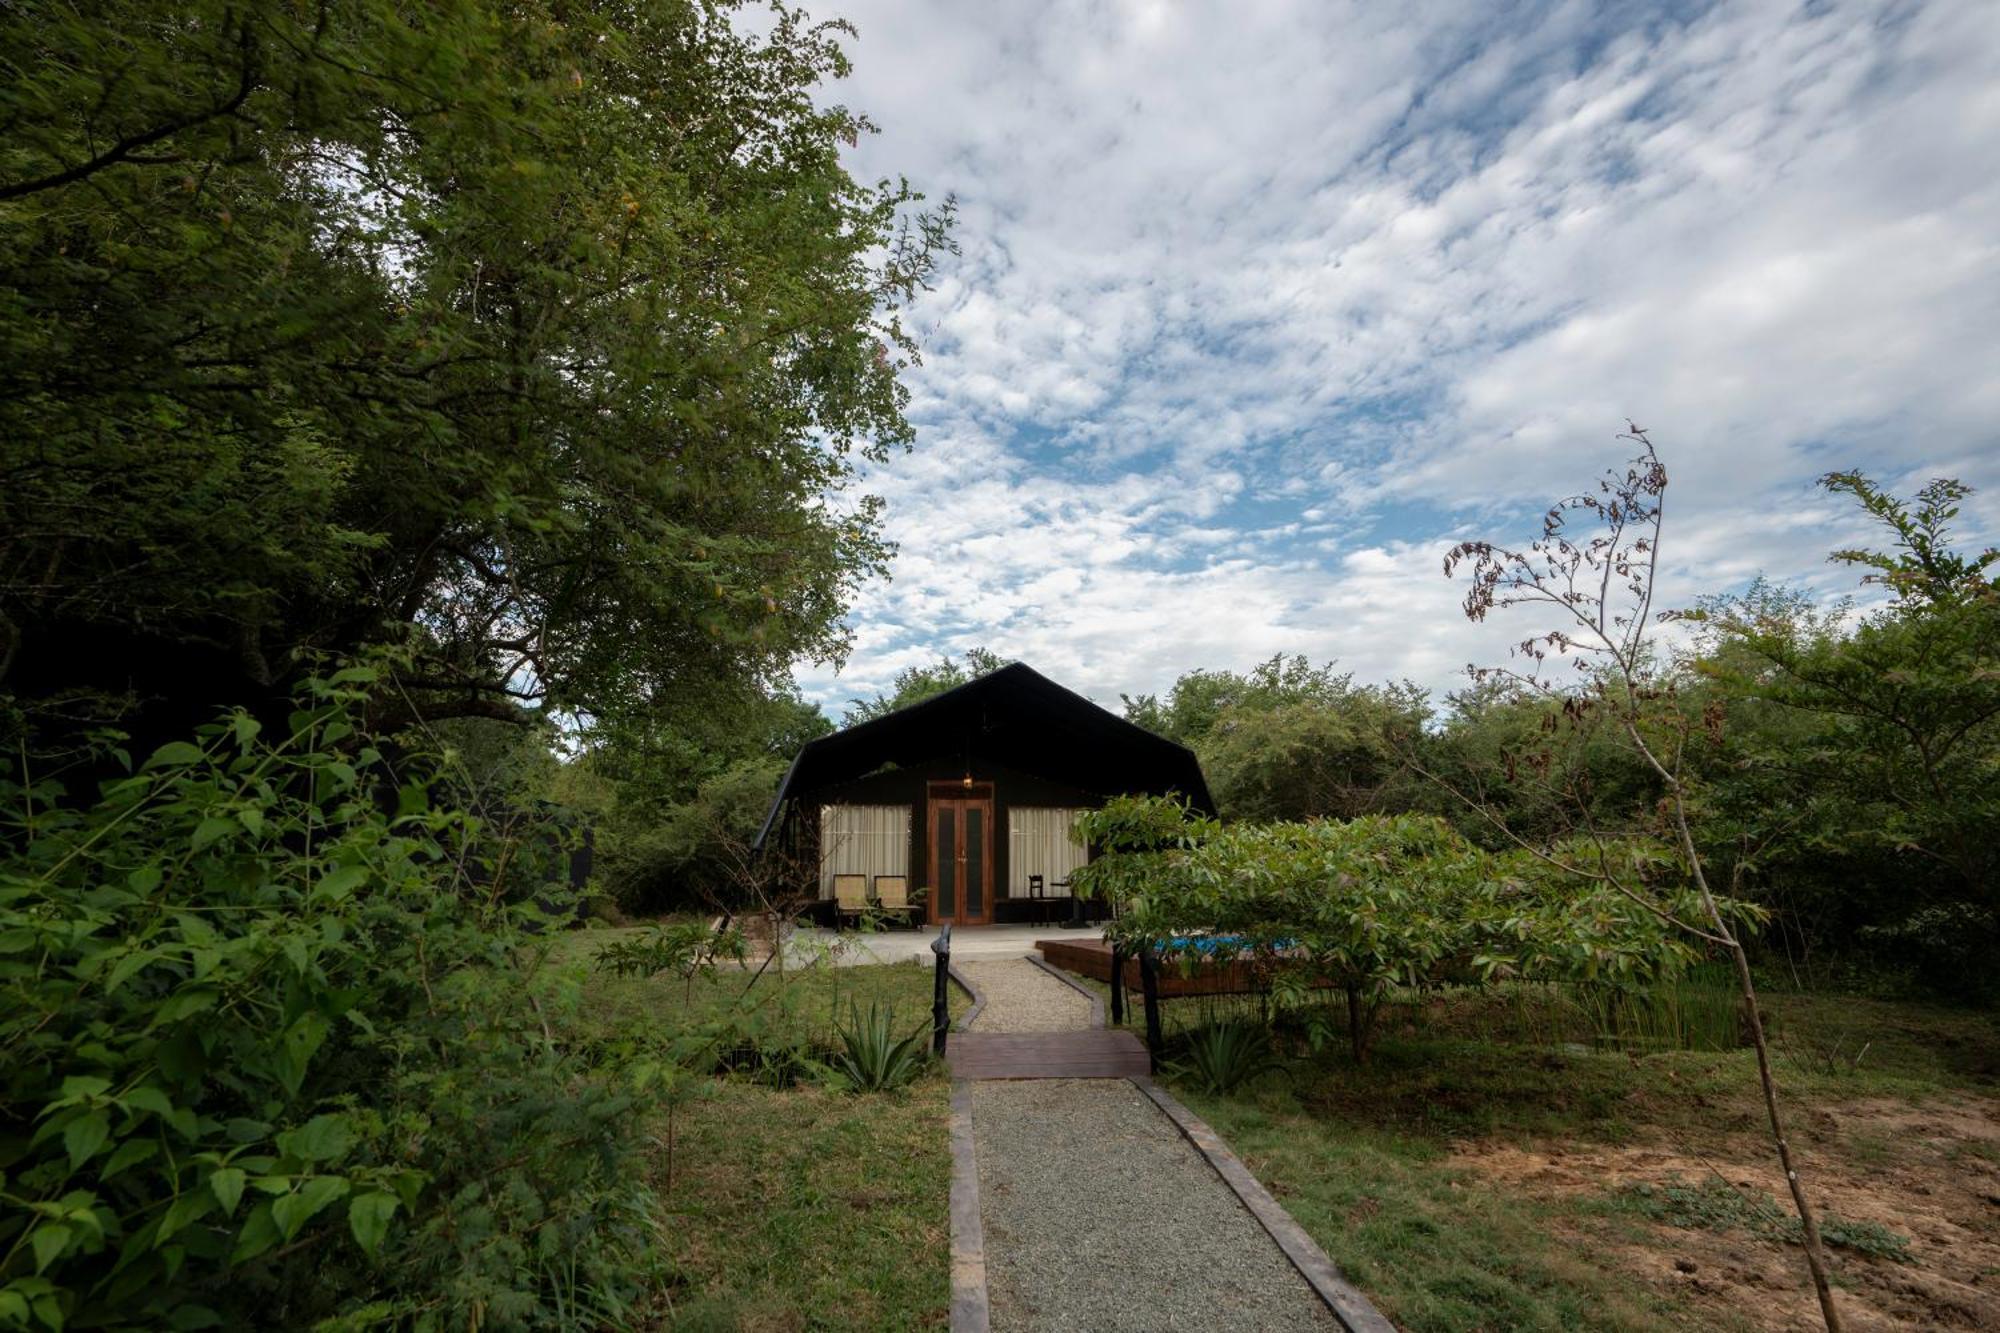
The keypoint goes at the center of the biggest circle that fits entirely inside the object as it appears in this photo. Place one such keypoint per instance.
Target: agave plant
(873, 1058)
(1223, 1056)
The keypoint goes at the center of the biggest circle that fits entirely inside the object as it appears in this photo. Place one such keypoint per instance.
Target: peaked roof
(1014, 717)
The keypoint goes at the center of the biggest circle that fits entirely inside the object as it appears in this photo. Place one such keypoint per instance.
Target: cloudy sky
(1264, 305)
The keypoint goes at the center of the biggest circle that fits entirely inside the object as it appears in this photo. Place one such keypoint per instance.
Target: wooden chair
(850, 895)
(892, 894)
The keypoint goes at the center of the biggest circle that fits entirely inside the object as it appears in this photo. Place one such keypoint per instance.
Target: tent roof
(1015, 717)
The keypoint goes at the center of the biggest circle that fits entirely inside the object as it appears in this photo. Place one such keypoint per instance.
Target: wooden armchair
(850, 896)
(892, 894)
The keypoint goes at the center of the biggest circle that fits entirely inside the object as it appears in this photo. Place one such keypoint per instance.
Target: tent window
(1040, 841)
(866, 840)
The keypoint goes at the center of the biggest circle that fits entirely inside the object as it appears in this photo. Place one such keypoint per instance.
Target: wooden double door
(959, 821)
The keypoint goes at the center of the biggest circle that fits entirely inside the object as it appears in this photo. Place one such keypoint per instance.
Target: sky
(1263, 306)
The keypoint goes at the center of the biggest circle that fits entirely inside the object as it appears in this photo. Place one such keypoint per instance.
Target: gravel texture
(1020, 997)
(1099, 1215)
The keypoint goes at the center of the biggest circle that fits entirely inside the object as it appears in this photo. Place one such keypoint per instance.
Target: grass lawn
(1469, 1180)
(805, 1208)
(808, 1004)
(782, 1207)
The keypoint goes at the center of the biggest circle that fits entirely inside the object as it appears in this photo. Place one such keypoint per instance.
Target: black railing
(940, 989)
(1149, 984)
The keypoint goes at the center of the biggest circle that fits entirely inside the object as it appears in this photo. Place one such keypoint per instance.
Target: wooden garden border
(968, 1234)
(1354, 1311)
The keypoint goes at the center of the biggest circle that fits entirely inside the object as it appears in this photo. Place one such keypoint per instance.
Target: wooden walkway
(1092, 1053)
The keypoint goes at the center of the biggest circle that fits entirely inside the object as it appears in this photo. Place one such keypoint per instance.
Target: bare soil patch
(1928, 1171)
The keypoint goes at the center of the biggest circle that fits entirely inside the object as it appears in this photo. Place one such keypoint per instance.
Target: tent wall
(907, 787)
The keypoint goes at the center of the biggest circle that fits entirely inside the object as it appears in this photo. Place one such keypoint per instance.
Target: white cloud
(1262, 306)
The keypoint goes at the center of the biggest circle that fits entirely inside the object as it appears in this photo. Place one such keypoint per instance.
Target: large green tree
(915, 684)
(1290, 740)
(1866, 757)
(692, 787)
(529, 345)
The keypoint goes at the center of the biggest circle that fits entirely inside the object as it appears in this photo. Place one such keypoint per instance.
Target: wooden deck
(1094, 1053)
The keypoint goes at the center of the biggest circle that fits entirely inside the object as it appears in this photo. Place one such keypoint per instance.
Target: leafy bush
(266, 1061)
(685, 948)
(1222, 1057)
(1368, 904)
(872, 1058)
(1947, 947)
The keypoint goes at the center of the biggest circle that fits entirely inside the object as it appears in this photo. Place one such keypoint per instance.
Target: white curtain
(866, 840)
(1039, 842)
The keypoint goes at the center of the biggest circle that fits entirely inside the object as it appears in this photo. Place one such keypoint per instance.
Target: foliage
(685, 948)
(1201, 700)
(1697, 1010)
(266, 1058)
(689, 855)
(1538, 769)
(1290, 740)
(1370, 903)
(530, 345)
(691, 786)
(1135, 839)
(915, 684)
(1883, 737)
(1221, 1057)
(1929, 571)
(872, 1057)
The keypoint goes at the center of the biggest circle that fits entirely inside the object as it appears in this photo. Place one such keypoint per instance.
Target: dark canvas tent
(981, 771)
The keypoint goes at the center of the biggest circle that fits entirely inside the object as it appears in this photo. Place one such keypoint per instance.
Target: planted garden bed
(1179, 977)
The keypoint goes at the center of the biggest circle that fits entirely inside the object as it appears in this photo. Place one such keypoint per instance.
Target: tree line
(1843, 766)
(1844, 762)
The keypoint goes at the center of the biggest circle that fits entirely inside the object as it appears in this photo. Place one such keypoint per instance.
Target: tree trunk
(1815, 1251)
(1359, 1025)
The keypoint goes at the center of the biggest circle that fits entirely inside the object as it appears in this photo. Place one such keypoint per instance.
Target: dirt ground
(1930, 1172)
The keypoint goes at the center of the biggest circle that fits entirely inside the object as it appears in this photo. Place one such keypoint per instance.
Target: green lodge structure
(960, 809)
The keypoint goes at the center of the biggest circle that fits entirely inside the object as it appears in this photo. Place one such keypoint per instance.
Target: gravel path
(1020, 997)
(1099, 1215)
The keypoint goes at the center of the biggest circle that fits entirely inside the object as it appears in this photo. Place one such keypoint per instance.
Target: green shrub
(265, 1056)
(872, 1058)
(1224, 1056)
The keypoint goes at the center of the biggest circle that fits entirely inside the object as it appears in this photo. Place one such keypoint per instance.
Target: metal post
(1149, 982)
(1117, 986)
(940, 995)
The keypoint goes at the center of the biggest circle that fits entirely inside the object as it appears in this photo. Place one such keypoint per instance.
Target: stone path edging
(1349, 1306)
(1096, 1000)
(968, 1233)
(964, 983)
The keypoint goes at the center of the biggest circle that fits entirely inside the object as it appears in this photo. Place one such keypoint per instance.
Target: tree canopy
(1366, 904)
(915, 684)
(526, 346)
(1290, 740)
